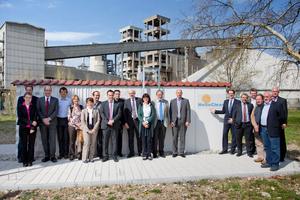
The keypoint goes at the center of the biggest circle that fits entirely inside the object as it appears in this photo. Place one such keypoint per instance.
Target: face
(48, 91)
(63, 94)
(259, 100)
(146, 100)
(253, 94)
(27, 98)
(75, 101)
(159, 95)
(275, 92)
(131, 94)
(231, 94)
(179, 93)
(117, 95)
(244, 98)
(110, 96)
(96, 96)
(90, 104)
(267, 97)
(29, 89)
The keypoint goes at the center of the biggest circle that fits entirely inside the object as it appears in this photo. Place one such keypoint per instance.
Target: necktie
(230, 106)
(110, 110)
(133, 110)
(47, 106)
(160, 111)
(245, 114)
(178, 108)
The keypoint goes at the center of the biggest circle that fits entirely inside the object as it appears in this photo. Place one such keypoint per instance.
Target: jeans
(272, 148)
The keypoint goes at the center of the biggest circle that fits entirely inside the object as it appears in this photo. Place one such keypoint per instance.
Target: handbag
(80, 135)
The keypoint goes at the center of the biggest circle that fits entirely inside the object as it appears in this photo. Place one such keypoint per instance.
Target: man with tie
(110, 112)
(241, 120)
(29, 89)
(47, 108)
(275, 91)
(117, 94)
(180, 114)
(272, 122)
(227, 110)
(99, 140)
(161, 123)
(132, 122)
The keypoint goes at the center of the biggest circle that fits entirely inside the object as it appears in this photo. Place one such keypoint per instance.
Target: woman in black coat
(27, 114)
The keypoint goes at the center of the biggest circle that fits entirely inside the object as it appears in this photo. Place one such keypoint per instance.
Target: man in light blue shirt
(62, 123)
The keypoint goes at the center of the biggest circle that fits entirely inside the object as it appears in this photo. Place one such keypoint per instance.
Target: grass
(292, 131)
(7, 129)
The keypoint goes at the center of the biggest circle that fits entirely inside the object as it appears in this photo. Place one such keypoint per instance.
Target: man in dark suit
(180, 114)
(272, 122)
(227, 110)
(242, 121)
(29, 89)
(117, 94)
(281, 100)
(132, 122)
(47, 108)
(110, 112)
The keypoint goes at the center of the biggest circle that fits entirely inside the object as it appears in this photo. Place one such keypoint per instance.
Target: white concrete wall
(204, 132)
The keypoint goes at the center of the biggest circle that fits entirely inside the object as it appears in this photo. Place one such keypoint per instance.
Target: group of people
(90, 129)
(262, 120)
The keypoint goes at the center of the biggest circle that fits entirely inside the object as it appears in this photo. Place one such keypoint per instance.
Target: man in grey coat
(180, 114)
(47, 108)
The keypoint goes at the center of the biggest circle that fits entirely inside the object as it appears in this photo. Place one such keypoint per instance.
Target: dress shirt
(275, 99)
(157, 109)
(134, 102)
(112, 109)
(90, 111)
(253, 101)
(97, 106)
(48, 99)
(63, 107)
(264, 114)
(231, 105)
(247, 119)
(146, 111)
(178, 107)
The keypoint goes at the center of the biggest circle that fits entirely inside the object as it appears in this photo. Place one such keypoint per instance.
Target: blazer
(185, 110)
(276, 117)
(284, 104)
(128, 110)
(104, 113)
(33, 100)
(150, 120)
(52, 110)
(96, 120)
(121, 104)
(225, 109)
(23, 116)
(165, 107)
(237, 114)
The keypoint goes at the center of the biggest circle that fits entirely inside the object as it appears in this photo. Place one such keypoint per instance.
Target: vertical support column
(160, 29)
(177, 63)
(115, 64)
(121, 67)
(186, 63)
(152, 29)
(159, 69)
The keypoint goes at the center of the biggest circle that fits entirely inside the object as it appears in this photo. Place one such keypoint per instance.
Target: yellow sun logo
(206, 98)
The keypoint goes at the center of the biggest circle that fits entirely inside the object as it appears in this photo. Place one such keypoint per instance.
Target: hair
(270, 92)
(73, 97)
(117, 91)
(89, 99)
(275, 88)
(145, 95)
(231, 90)
(63, 89)
(47, 86)
(28, 86)
(262, 96)
(132, 90)
(159, 91)
(253, 90)
(109, 91)
(95, 91)
(244, 94)
(27, 93)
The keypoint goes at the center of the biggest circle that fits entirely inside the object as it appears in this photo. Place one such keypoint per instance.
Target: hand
(91, 132)
(46, 121)
(126, 126)
(145, 124)
(212, 110)
(187, 124)
(169, 125)
(34, 123)
(256, 128)
(78, 125)
(172, 124)
(31, 131)
(283, 126)
(110, 122)
(230, 121)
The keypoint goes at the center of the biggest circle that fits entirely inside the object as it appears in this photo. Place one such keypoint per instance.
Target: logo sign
(207, 101)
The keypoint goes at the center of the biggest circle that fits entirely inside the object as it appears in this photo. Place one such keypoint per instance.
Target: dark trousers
(226, 128)
(73, 137)
(179, 130)
(131, 130)
(245, 130)
(113, 132)
(48, 135)
(159, 137)
(100, 143)
(120, 140)
(147, 141)
(282, 145)
(28, 141)
(63, 135)
(20, 148)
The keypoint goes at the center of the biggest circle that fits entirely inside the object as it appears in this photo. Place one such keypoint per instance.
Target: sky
(74, 22)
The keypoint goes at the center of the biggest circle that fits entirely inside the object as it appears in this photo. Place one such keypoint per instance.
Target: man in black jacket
(117, 94)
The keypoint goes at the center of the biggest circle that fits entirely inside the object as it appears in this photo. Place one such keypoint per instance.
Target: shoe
(250, 155)
(258, 160)
(120, 155)
(60, 156)
(223, 152)
(66, 156)
(163, 155)
(263, 162)
(265, 165)
(71, 157)
(238, 154)
(232, 152)
(155, 156)
(130, 155)
(85, 161)
(145, 158)
(115, 159)
(140, 154)
(30, 164)
(149, 158)
(175, 155)
(105, 159)
(281, 160)
(92, 161)
(101, 157)
(25, 164)
(19, 160)
(79, 158)
(182, 155)
(46, 159)
(273, 169)
(53, 159)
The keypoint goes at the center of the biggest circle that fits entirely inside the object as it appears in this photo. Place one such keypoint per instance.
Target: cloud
(5, 5)
(51, 6)
(69, 36)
